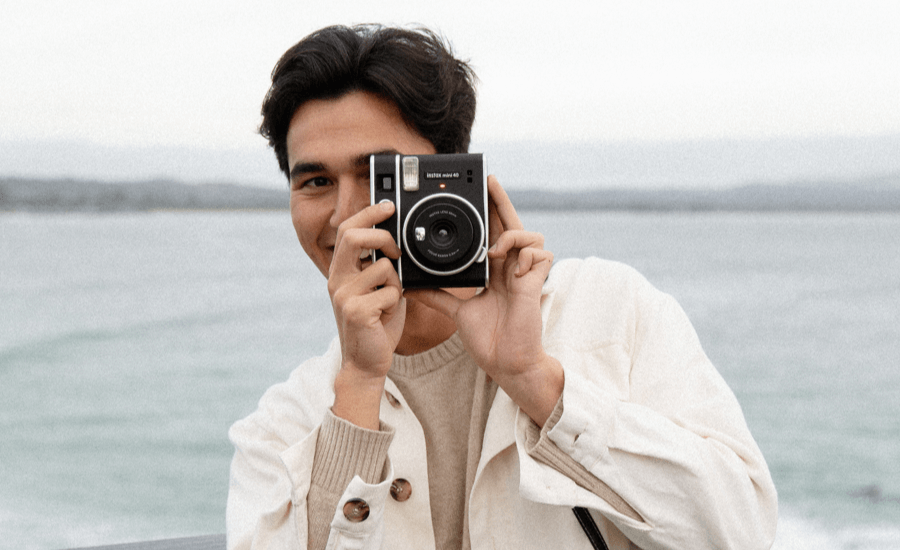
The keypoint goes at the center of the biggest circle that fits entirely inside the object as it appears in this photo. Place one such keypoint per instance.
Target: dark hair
(415, 69)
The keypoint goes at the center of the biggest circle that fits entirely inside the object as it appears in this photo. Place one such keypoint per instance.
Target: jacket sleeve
(284, 467)
(273, 491)
(265, 509)
(647, 414)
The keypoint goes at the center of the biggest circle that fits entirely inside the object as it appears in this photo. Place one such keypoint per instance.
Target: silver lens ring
(480, 227)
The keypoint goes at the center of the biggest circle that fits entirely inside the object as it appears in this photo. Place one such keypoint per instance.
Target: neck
(424, 327)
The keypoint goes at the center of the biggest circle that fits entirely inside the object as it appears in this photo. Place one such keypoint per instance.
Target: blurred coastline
(836, 173)
(874, 194)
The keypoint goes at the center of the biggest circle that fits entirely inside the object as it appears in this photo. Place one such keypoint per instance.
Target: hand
(501, 327)
(369, 310)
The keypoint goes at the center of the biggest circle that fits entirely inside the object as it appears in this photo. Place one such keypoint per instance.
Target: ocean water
(129, 344)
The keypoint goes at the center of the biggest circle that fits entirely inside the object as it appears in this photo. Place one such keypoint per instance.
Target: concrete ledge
(206, 542)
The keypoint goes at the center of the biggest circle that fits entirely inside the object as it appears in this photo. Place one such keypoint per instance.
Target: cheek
(304, 219)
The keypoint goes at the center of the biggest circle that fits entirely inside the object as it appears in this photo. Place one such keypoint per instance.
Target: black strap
(590, 528)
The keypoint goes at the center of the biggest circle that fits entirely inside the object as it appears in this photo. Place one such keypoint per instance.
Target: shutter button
(356, 510)
(401, 490)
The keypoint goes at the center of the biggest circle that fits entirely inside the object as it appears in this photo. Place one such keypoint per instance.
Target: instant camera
(440, 220)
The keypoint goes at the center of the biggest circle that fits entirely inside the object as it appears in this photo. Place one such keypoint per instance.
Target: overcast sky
(193, 73)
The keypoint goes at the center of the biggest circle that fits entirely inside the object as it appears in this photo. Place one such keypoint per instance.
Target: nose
(351, 197)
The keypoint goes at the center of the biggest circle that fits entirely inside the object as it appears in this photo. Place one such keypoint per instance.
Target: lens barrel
(443, 234)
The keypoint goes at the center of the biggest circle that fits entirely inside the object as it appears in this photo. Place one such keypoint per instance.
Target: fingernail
(387, 206)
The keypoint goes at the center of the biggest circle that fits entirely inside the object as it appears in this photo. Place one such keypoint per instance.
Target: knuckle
(338, 294)
(342, 230)
(352, 313)
(384, 263)
(350, 235)
(391, 293)
(385, 270)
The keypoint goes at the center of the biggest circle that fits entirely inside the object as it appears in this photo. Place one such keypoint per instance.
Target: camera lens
(443, 234)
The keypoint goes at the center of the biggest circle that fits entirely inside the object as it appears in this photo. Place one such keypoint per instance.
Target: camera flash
(411, 173)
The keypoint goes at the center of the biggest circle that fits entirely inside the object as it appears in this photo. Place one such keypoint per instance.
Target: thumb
(395, 320)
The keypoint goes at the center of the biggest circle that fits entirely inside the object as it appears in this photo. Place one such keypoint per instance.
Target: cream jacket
(644, 411)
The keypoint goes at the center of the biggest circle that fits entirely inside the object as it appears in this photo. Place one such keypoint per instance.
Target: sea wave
(798, 533)
(31, 531)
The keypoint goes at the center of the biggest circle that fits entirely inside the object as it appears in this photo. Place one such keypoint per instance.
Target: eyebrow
(302, 168)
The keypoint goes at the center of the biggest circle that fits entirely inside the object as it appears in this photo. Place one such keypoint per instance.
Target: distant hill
(869, 195)
(527, 164)
(70, 195)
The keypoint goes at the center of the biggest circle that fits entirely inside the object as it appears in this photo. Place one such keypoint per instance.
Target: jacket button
(392, 400)
(401, 490)
(356, 510)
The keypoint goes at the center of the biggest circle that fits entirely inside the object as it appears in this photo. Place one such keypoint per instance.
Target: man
(465, 419)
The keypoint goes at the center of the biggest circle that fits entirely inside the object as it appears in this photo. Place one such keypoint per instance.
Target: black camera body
(440, 220)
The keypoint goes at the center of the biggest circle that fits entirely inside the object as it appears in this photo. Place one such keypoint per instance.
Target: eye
(311, 185)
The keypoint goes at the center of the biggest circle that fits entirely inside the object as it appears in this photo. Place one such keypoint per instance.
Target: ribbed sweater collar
(412, 366)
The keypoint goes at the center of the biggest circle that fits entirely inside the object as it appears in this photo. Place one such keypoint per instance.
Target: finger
(356, 244)
(365, 218)
(367, 310)
(495, 227)
(368, 216)
(436, 299)
(386, 274)
(385, 299)
(506, 212)
(533, 259)
(374, 301)
(394, 319)
(378, 274)
(510, 240)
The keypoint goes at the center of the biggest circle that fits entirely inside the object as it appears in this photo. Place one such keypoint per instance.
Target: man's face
(328, 146)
